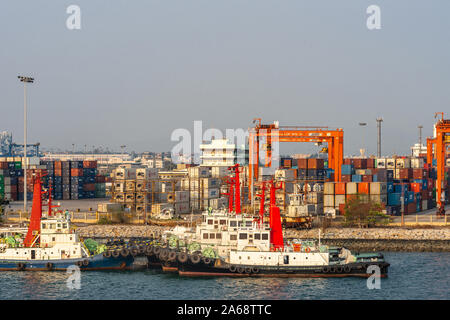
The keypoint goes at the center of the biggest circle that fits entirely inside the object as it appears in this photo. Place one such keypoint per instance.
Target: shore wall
(390, 245)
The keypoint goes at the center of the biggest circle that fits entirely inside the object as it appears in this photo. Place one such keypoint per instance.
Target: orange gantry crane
(441, 141)
(274, 133)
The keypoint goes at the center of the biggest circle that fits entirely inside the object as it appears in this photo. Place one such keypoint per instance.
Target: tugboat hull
(97, 262)
(219, 268)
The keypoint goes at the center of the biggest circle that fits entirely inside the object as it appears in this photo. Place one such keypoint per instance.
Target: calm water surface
(411, 276)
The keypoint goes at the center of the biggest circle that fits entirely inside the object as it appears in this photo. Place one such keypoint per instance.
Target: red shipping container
(370, 163)
(420, 174)
(342, 209)
(424, 194)
(100, 179)
(76, 172)
(348, 161)
(89, 187)
(57, 165)
(363, 187)
(339, 188)
(359, 163)
(367, 178)
(302, 163)
(3, 165)
(346, 178)
(89, 164)
(315, 163)
(405, 174)
(416, 187)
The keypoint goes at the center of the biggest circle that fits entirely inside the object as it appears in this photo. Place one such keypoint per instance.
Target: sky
(138, 70)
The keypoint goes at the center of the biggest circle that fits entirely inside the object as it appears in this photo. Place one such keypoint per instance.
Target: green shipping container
(18, 165)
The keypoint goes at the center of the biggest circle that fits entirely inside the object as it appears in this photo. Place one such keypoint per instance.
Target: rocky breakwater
(380, 239)
(121, 231)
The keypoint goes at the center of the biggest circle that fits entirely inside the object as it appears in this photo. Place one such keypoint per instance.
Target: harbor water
(414, 275)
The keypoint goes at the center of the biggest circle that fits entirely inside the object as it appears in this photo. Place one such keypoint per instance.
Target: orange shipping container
(416, 187)
(363, 187)
(350, 197)
(339, 188)
(76, 172)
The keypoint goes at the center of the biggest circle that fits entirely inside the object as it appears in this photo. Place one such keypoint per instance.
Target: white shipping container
(159, 207)
(182, 207)
(219, 172)
(199, 172)
(390, 163)
(417, 163)
(352, 187)
(181, 196)
(124, 173)
(328, 187)
(285, 174)
(328, 200)
(381, 163)
(378, 188)
(403, 163)
(379, 198)
(339, 199)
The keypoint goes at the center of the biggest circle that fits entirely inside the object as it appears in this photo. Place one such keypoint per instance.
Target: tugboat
(260, 250)
(50, 244)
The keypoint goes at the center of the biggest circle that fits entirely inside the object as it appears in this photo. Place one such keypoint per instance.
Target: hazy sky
(137, 70)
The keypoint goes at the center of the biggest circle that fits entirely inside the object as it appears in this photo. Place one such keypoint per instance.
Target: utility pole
(25, 80)
(379, 120)
(363, 150)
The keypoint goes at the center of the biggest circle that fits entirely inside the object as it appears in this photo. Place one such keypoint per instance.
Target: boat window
(205, 236)
(242, 236)
(65, 225)
(210, 221)
(248, 223)
(216, 221)
(233, 223)
(53, 239)
(257, 236)
(218, 236)
(212, 235)
(59, 225)
(44, 226)
(233, 237)
(265, 236)
(223, 222)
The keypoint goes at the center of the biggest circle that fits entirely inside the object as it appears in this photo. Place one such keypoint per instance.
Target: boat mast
(36, 214)
(276, 231)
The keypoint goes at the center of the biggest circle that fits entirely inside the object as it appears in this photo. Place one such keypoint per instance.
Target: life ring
(347, 269)
(333, 269)
(149, 250)
(124, 252)
(134, 251)
(255, 270)
(20, 266)
(240, 270)
(156, 250)
(339, 269)
(116, 253)
(85, 262)
(232, 268)
(248, 270)
(172, 256)
(326, 269)
(164, 254)
(141, 250)
(79, 263)
(207, 261)
(195, 258)
(182, 257)
(107, 254)
(49, 266)
(307, 250)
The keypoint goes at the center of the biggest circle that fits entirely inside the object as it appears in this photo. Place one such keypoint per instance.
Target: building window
(210, 221)
(205, 236)
(257, 236)
(222, 222)
(218, 236)
(265, 236)
(233, 237)
(212, 235)
(233, 223)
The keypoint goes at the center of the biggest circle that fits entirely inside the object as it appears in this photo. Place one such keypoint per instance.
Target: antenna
(379, 120)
